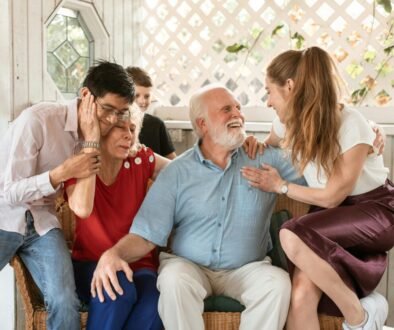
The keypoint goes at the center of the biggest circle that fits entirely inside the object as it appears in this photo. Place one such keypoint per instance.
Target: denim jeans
(49, 262)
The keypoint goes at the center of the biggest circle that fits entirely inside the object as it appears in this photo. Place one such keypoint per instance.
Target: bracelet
(90, 144)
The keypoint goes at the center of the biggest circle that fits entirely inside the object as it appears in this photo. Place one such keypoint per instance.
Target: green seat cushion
(222, 304)
(83, 307)
(211, 304)
(277, 255)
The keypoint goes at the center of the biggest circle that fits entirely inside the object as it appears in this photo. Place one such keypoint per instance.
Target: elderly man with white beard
(219, 225)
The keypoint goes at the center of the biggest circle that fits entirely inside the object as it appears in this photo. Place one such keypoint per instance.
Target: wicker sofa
(35, 313)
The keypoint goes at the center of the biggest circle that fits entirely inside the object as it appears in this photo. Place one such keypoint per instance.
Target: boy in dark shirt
(154, 133)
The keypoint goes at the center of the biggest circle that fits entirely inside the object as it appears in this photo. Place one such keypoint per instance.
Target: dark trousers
(353, 238)
(136, 309)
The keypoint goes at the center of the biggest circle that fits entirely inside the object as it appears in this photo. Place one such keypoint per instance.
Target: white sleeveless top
(354, 130)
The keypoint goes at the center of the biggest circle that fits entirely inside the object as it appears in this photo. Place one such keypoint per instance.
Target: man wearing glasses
(37, 154)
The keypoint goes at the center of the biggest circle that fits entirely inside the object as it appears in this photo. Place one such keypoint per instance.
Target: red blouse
(114, 209)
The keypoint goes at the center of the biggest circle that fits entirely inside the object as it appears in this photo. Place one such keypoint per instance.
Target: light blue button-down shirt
(218, 220)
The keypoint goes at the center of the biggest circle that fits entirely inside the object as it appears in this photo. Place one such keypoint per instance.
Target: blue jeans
(48, 260)
(136, 309)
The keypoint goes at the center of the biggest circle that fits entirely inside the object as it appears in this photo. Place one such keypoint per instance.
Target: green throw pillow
(277, 255)
(222, 304)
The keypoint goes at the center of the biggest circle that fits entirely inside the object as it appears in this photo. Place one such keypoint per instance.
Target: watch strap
(90, 144)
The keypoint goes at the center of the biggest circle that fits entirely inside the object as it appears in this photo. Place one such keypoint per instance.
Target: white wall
(7, 299)
(7, 287)
(24, 80)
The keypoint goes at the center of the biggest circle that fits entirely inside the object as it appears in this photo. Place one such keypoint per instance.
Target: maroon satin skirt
(353, 238)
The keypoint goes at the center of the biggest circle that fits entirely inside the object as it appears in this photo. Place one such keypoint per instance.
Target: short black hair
(139, 76)
(107, 77)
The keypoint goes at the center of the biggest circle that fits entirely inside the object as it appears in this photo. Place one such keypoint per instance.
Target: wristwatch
(284, 188)
(90, 144)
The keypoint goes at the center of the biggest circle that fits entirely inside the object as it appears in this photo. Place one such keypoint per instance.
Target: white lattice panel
(183, 43)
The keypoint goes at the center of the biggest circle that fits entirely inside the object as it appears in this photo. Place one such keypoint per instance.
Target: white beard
(230, 140)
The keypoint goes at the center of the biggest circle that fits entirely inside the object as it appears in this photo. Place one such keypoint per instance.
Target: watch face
(284, 188)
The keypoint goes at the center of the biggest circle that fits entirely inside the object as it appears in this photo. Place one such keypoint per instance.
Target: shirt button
(223, 198)
(219, 224)
(214, 250)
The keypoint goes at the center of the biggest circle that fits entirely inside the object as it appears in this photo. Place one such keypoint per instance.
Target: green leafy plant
(296, 41)
(386, 5)
(383, 68)
(355, 69)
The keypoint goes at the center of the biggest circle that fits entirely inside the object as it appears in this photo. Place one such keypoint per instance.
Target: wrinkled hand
(267, 178)
(88, 119)
(252, 145)
(82, 165)
(105, 275)
(380, 139)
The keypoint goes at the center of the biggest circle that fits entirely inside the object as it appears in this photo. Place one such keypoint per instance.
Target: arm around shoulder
(161, 162)
(340, 184)
(273, 139)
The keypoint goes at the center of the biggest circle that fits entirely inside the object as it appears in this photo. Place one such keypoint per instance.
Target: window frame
(93, 23)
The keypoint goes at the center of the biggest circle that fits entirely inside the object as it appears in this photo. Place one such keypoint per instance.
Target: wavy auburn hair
(312, 114)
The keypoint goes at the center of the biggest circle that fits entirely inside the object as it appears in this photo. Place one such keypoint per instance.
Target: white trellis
(182, 43)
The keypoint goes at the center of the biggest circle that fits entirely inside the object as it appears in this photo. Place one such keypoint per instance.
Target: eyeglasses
(109, 112)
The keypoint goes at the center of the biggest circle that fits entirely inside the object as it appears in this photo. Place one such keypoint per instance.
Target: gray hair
(136, 117)
(197, 108)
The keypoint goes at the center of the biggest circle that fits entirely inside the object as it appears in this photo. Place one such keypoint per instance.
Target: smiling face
(224, 121)
(278, 97)
(143, 97)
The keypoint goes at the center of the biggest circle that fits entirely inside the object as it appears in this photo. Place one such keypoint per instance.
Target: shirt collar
(202, 160)
(198, 152)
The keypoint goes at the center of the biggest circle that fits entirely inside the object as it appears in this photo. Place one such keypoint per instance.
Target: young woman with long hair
(337, 252)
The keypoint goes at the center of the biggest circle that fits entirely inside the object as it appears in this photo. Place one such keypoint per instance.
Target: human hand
(251, 145)
(79, 166)
(105, 275)
(267, 178)
(89, 123)
(135, 148)
(82, 165)
(380, 139)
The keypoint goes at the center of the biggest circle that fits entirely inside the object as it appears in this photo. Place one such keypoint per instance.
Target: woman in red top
(105, 205)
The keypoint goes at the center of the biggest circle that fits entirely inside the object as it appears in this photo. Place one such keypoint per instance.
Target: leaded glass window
(69, 51)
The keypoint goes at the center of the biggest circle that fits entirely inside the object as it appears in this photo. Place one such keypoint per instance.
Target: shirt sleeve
(155, 218)
(151, 161)
(21, 182)
(355, 130)
(166, 145)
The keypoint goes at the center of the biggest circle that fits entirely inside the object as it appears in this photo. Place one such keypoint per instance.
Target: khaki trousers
(263, 289)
